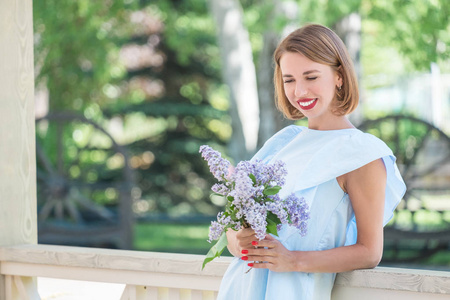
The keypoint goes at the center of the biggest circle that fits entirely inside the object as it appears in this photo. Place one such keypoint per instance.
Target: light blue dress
(314, 160)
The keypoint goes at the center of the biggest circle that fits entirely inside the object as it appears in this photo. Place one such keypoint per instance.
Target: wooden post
(18, 217)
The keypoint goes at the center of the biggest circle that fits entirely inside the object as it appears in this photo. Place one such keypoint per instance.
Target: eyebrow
(311, 71)
(304, 73)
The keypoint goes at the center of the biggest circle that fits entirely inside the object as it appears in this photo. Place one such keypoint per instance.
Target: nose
(300, 90)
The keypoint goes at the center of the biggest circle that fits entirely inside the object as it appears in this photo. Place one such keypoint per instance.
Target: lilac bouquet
(252, 200)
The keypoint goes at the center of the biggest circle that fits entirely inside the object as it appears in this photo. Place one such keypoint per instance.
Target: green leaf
(216, 250)
(271, 227)
(272, 222)
(272, 190)
(233, 216)
(273, 217)
(230, 198)
(252, 177)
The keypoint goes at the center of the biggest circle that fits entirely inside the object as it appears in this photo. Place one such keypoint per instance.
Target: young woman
(349, 179)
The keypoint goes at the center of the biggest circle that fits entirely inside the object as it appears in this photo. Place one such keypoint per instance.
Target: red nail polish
(250, 264)
(254, 243)
(244, 257)
(244, 251)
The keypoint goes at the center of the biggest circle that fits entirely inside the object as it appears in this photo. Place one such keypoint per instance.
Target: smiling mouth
(307, 103)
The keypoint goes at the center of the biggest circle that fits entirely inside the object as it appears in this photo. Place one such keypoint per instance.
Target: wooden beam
(183, 271)
(18, 218)
(112, 259)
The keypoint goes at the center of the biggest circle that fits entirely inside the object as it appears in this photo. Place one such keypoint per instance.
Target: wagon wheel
(84, 183)
(423, 158)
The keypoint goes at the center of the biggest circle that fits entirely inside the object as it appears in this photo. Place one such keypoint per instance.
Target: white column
(18, 217)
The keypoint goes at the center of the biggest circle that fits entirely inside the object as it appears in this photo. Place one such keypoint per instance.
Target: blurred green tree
(77, 45)
(419, 30)
(150, 72)
(147, 72)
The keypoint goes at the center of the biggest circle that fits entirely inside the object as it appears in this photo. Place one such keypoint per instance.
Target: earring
(340, 87)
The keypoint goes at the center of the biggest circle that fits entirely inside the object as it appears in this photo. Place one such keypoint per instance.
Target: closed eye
(288, 80)
(311, 78)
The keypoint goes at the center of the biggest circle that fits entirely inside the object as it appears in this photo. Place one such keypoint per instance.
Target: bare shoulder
(373, 173)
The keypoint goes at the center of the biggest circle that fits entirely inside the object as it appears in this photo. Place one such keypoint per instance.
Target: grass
(174, 238)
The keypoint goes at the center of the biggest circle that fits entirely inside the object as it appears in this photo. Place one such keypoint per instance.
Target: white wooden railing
(152, 275)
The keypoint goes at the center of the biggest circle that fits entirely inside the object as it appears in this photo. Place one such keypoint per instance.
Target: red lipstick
(307, 103)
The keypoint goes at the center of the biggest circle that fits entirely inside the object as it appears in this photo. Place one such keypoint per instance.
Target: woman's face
(309, 86)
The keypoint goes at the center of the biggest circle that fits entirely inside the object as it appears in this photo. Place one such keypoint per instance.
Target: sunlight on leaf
(216, 250)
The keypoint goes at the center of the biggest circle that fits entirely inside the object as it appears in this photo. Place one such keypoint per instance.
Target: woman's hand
(270, 254)
(245, 237)
(239, 241)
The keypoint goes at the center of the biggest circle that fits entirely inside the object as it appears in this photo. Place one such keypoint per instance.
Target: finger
(260, 252)
(253, 258)
(244, 238)
(245, 244)
(245, 232)
(265, 243)
(245, 247)
(269, 238)
(263, 265)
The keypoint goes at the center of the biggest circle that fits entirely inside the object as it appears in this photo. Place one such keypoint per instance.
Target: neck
(333, 123)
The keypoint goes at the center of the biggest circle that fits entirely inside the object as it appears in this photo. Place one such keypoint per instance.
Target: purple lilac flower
(246, 167)
(259, 189)
(256, 217)
(279, 209)
(298, 211)
(217, 164)
(250, 205)
(269, 173)
(215, 231)
(220, 188)
(278, 172)
(259, 170)
(243, 188)
(217, 227)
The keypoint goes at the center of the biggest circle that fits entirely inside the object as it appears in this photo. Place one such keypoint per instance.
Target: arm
(366, 188)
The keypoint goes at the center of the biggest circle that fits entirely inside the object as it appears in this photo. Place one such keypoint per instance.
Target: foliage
(327, 12)
(189, 109)
(169, 107)
(418, 30)
(76, 49)
(166, 108)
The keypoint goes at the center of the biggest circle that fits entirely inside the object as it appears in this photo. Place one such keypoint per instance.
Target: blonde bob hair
(319, 44)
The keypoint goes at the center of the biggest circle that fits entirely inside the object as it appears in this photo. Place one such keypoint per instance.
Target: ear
(339, 78)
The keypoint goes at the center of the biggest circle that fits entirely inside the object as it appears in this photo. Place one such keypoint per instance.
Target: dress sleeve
(314, 157)
(395, 190)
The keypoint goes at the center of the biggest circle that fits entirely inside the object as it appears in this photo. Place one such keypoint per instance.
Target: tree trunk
(268, 112)
(240, 76)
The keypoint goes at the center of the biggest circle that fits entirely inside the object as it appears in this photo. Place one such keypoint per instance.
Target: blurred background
(127, 91)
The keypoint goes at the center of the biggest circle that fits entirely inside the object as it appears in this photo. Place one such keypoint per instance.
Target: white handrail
(164, 273)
